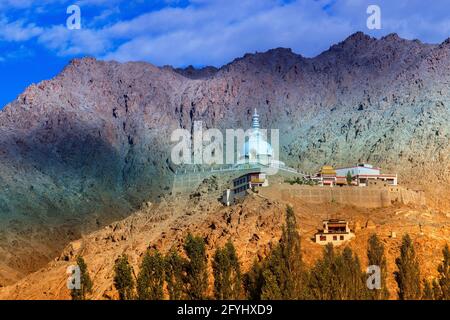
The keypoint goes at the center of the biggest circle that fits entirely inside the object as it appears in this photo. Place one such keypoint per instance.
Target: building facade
(334, 231)
(327, 176)
(243, 183)
(249, 181)
(363, 174)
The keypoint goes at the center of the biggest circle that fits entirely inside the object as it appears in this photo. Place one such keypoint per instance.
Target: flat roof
(353, 167)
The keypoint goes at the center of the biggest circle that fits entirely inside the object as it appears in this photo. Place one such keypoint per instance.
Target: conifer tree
(283, 272)
(151, 275)
(444, 274)
(175, 276)
(196, 269)
(85, 282)
(227, 273)
(408, 274)
(375, 256)
(123, 278)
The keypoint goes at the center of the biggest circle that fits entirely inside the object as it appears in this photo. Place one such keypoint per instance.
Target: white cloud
(17, 31)
(216, 31)
(74, 42)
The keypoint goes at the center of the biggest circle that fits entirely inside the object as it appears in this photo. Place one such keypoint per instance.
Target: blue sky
(35, 43)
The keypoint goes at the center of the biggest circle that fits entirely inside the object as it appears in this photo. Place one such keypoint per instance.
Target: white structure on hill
(364, 173)
(256, 150)
(334, 231)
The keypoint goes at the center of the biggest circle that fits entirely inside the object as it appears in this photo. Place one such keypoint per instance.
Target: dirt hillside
(253, 226)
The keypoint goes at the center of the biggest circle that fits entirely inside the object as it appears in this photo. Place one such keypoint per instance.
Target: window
(334, 238)
(341, 237)
(323, 238)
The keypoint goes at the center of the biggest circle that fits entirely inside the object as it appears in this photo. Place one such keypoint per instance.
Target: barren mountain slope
(85, 148)
(253, 226)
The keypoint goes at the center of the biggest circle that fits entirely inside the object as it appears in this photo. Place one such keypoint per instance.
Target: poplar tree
(283, 274)
(376, 256)
(337, 277)
(85, 282)
(150, 281)
(408, 274)
(123, 278)
(175, 275)
(351, 282)
(196, 268)
(437, 292)
(273, 276)
(227, 273)
(349, 178)
(428, 293)
(444, 274)
(322, 281)
(253, 281)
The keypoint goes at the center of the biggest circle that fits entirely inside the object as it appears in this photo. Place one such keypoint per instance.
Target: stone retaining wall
(367, 197)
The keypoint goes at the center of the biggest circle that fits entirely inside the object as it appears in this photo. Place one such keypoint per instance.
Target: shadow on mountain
(60, 184)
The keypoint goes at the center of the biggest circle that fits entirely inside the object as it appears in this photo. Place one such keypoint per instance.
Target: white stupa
(256, 150)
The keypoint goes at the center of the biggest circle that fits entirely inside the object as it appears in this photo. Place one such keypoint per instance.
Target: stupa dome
(256, 148)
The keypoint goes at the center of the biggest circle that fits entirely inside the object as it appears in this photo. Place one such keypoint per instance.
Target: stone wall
(367, 197)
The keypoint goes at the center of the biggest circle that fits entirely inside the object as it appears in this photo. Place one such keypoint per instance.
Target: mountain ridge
(90, 145)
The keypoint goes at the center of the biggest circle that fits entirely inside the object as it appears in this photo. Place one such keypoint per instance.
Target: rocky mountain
(87, 147)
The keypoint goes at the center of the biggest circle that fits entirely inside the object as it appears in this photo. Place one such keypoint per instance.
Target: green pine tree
(123, 278)
(408, 274)
(227, 273)
(444, 274)
(375, 256)
(150, 280)
(85, 282)
(175, 275)
(196, 269)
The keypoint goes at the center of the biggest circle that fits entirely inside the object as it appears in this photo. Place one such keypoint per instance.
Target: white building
(256, 155)
(256, 149)
(363, 173)
(334, 231)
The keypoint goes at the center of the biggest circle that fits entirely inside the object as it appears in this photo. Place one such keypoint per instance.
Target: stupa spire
(255, 120)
